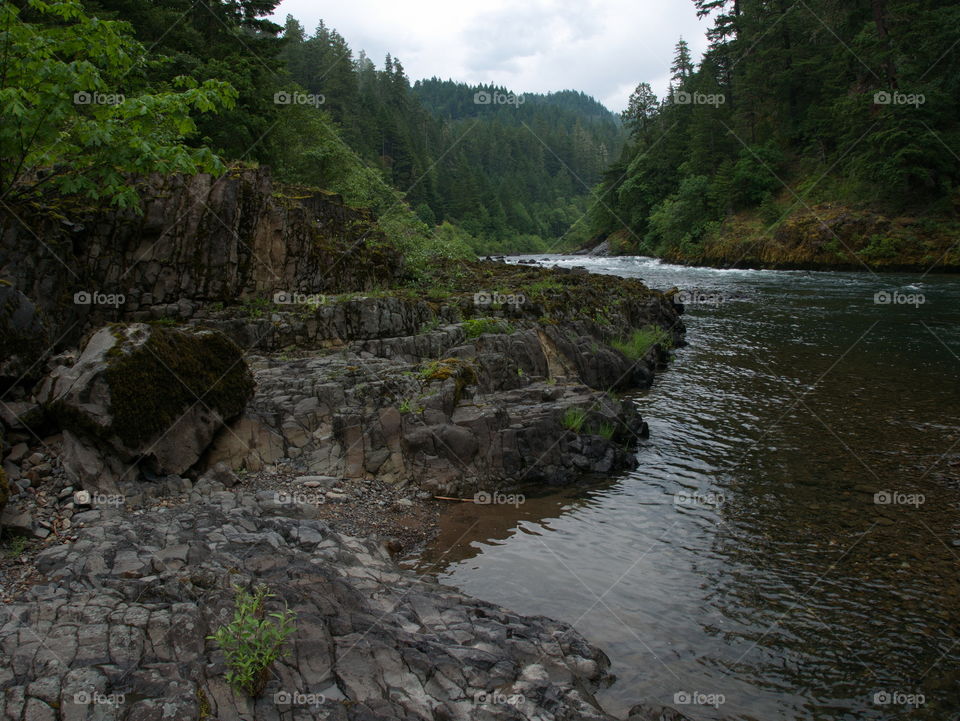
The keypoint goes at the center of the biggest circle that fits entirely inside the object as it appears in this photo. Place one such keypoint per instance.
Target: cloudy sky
(603, 47)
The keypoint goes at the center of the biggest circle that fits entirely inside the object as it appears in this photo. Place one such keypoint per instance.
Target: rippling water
(749, 559)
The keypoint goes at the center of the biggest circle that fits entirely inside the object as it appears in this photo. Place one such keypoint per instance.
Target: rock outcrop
(145, 398)
(23, 337)
(197, 240)
(117, 628)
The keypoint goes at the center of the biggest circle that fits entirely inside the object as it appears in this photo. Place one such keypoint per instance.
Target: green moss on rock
(153, 385)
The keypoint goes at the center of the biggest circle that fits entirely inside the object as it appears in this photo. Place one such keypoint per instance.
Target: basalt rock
(118, 627)
(144, 397)
(23, 337)
(196, 240)
(448, 412)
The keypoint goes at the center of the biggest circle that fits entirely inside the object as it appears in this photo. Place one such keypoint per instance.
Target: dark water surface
(748, 559)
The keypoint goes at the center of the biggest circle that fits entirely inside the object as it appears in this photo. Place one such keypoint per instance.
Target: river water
(789, 547)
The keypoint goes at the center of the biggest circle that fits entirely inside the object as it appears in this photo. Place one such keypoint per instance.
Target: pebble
(17, 452)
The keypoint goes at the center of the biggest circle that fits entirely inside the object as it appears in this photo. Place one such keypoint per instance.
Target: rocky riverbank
(245, 415)
(826, 236)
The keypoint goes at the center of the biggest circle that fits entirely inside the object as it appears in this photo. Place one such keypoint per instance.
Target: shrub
(253, 640)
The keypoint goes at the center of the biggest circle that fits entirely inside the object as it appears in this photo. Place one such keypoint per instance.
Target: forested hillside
(433, 159)
(807, 124)
(512, 170)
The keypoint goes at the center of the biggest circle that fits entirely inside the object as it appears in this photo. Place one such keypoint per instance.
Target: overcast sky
(602, 47)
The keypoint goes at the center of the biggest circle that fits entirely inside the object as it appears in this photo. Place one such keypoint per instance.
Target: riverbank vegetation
(801, 122)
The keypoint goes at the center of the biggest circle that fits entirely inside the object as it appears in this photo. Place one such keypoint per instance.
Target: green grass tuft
(641, 341)
(574, 418)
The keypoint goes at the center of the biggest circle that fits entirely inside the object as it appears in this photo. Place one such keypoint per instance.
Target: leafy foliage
(253, 640)
(75, 118)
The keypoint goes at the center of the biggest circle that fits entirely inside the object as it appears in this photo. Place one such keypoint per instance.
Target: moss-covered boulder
(146, 396)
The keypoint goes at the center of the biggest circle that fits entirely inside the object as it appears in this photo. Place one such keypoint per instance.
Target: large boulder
(145, 397)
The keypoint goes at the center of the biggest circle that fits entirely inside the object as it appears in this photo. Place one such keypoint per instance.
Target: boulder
(145, 396)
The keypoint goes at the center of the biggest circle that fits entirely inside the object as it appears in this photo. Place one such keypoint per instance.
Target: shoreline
(222, 430)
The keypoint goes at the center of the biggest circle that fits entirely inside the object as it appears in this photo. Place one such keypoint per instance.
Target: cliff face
(485, 376)
(198, 240)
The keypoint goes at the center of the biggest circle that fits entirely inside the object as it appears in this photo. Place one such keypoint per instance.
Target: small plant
(606, 429)
(253, 640)
(255, 307)
(640, 341)
(431, 325)
(405, 406)
(16, 547)
(574, 418)
(475, 327)
(546, 285)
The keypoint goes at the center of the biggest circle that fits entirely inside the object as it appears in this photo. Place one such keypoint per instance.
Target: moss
(153, 385)
(440, 370)
(203, 705)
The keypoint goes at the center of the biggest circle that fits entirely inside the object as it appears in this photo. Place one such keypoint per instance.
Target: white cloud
(602, 47)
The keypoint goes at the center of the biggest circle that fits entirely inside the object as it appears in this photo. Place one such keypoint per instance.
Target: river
(789, 546)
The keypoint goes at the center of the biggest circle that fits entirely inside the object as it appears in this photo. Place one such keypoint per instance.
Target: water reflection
(772, 546)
